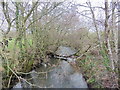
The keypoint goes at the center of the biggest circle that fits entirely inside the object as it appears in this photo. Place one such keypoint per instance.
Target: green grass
(12, 45)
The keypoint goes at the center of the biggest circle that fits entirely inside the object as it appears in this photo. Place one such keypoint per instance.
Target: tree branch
(30, 11)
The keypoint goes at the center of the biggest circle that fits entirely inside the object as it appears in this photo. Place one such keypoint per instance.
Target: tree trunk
(95, 24)
(115, 32)
(107, 35)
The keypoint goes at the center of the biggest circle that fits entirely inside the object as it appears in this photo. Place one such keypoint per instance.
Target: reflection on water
(62, 76)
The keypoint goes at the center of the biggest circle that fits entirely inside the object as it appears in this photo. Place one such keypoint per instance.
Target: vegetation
(34, 30)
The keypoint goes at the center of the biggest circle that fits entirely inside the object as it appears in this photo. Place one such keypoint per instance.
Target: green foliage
(27, 66)
(91, 69)
(91, 80)
(87, 66)
(106, 60)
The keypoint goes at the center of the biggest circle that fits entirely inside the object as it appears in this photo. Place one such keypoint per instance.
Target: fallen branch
(29, 83)
(20, 78)
(9, 81)
(87, 51)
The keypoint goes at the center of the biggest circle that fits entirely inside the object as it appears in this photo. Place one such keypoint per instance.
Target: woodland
(31, 32)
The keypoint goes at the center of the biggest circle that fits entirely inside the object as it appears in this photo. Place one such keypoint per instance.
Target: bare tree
(7, 17)
(107, 33)
(95, 24)
(115, 30)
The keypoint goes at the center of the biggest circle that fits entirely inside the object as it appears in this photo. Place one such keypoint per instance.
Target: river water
(60, 75)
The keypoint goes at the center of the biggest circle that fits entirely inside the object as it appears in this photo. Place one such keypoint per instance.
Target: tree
(95, 24)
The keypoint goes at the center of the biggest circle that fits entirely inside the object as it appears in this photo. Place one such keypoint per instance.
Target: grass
(97, 71)
(12, 43)
(90, 68)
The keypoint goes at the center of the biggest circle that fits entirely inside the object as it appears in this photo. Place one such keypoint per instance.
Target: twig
(9, 81)
(14, 73)
(23, 73)
(87, 51)
(29, 83)
(20, 78)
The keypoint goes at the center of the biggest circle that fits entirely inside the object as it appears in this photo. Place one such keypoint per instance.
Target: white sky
(93, 3)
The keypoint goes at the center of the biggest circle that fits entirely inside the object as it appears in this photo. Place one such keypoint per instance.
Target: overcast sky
(94, 3)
